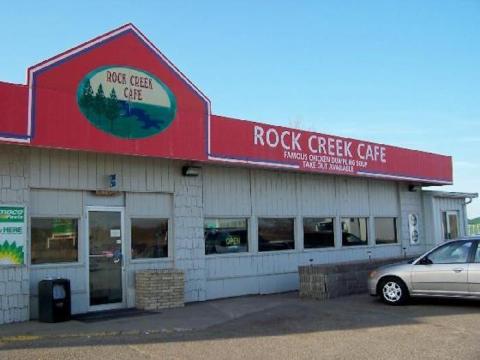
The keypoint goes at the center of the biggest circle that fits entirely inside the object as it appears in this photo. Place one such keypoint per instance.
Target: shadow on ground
(260, 316)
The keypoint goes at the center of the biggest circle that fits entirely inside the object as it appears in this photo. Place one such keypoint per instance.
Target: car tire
(393, 291)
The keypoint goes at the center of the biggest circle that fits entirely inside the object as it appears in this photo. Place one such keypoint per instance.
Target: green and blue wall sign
(12, 235)
(126, 102)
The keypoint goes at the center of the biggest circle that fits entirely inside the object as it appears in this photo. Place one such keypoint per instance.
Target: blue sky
(404, 72)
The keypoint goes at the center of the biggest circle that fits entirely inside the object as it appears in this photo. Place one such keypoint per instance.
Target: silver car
(451, 269)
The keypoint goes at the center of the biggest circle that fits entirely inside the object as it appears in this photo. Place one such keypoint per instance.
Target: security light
(191, 171)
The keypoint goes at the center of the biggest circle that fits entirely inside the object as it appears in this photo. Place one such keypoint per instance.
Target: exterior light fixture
(414, 188)
(191, 171)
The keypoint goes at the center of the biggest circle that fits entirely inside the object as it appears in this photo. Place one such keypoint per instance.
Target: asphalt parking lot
(263, 327)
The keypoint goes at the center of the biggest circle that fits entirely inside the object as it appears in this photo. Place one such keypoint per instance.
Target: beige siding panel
(101, 181)
(149, 204)
(91, 199)
(383, 198)
(35, 159)
(226, 191)
(150, 165)
(274, 193)
(83, 170)
(60, 169)
(138, 174)
(73, 174)
(316, 195)
(126, 174)
(55, 202)
(91, 171)
(45, 168)
(352, 196)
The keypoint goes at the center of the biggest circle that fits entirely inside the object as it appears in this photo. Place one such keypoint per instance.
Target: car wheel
(393, 291)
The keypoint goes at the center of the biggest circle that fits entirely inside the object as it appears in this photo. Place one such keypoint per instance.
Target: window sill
(272, 252)
(150, 260)
(330, 248)
(383, 245)
(227, 255)
(55, 265)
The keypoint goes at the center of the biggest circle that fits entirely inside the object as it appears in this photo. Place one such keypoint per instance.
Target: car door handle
(458, 270)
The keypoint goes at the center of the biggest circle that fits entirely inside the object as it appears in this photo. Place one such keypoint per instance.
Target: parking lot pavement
(267, 327)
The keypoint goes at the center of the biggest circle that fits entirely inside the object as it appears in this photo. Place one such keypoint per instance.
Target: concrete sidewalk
(194, 316)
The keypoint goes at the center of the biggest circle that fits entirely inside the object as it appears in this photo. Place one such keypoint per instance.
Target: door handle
(458, 270)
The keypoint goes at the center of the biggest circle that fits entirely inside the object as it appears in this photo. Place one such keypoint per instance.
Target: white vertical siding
(383, 198)
(352, 196)
(226, 191)
(274, 193)
(317, 195)
(59, 169)
(149, 204)
(55, 202)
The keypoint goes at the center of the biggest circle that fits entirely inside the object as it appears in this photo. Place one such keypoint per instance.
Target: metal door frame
(121, 210)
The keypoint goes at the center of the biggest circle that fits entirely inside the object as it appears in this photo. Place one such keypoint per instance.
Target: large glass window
(318, 233)
(385, 230)
(455, 253)
(54, 240)
(450, 225)
(224, 236)
(149, 238)
(354, 231)
(275, 234)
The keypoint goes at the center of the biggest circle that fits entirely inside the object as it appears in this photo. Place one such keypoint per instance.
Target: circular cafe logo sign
(126, 102)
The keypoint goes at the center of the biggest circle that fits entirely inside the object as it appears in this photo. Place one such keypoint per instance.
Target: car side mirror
(425, 261)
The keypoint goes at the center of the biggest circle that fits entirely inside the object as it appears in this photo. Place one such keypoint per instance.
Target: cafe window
(224, 236)
(149, 238)
(318, 233)
(385, 230)
(450, 225)
(275, 234)
(54, 240)
(354, 231)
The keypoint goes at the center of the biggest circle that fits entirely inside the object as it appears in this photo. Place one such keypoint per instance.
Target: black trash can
(54, 301)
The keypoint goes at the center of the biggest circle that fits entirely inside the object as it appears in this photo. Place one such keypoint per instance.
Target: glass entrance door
(105, 258)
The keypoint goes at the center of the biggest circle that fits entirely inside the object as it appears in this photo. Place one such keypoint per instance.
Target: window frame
(295, 234)
(334, 232)
(395, 220)
(128, 247)
(80, 225)
(367, 220)
(249, 242)
(446, 216)
(149, 217)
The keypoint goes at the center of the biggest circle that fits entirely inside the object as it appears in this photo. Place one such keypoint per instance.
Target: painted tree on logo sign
(99, 104)
(112, 111)
(86, 99)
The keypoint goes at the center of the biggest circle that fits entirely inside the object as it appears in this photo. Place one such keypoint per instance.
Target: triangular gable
(159, 112)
